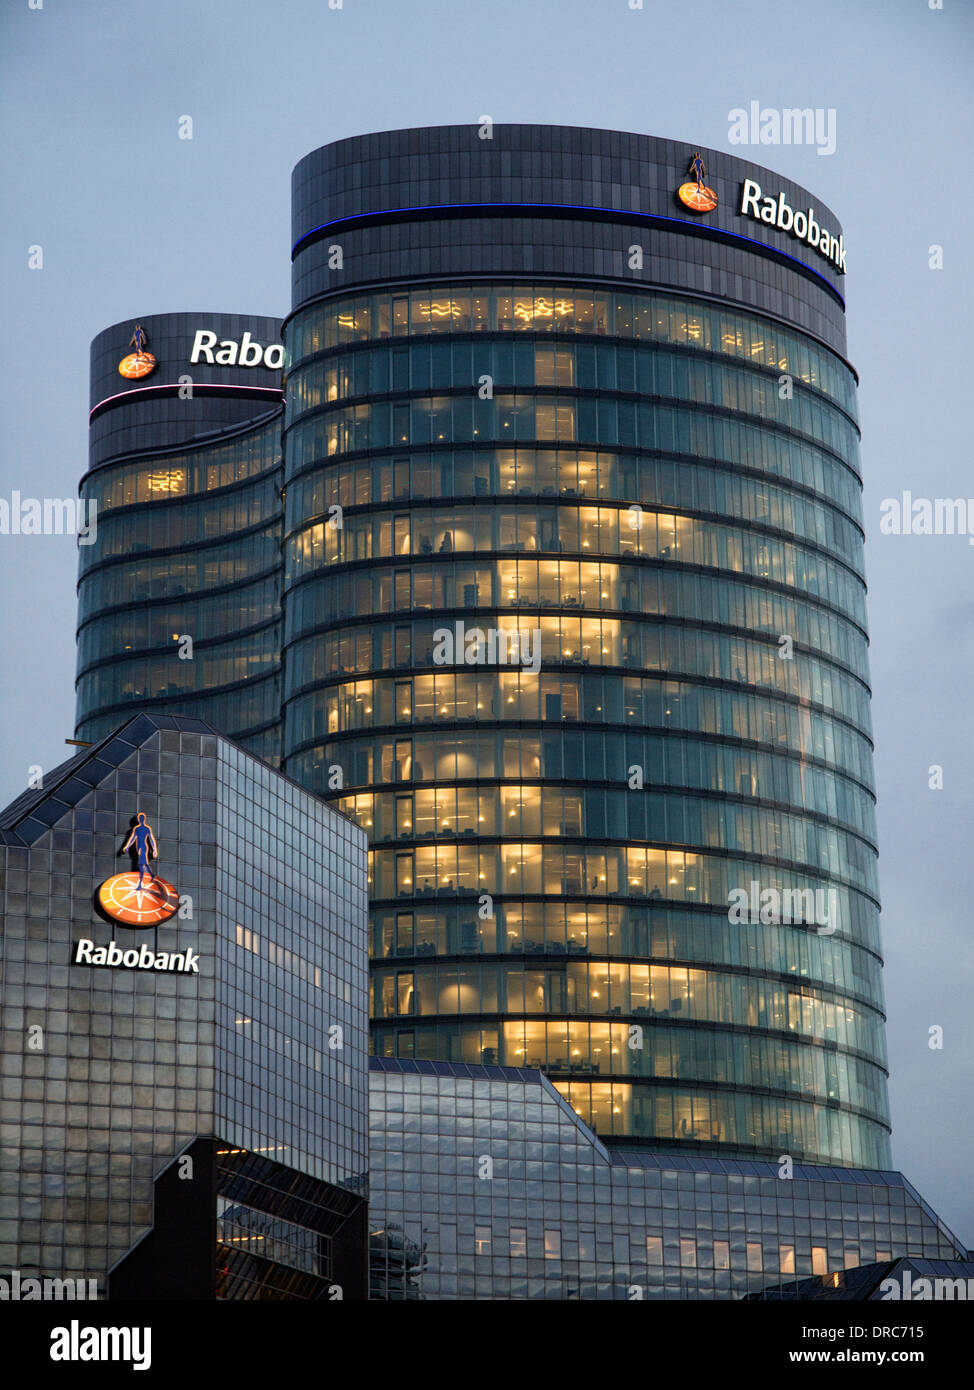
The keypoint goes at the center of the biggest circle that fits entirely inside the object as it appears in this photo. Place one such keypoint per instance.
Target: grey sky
(134, 221)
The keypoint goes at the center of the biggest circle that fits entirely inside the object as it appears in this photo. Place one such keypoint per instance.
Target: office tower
(575, 623)
(184, 477)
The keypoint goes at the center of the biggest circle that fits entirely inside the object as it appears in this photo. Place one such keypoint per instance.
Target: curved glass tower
(575, 624)
(185, 478)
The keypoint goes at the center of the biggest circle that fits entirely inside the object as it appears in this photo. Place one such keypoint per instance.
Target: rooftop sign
(776, 212)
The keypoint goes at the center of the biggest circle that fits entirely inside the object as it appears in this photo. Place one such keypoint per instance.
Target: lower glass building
(183, 1057)
(485, 1184)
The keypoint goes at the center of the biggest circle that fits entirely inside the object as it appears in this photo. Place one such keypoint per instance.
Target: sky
(131, 220)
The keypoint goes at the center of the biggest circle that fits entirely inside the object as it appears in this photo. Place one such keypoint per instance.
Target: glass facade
(485, 1184)
(618, 478)
(110, 1073)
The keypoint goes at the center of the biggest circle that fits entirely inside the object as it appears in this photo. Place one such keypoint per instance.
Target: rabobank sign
(227, 352)
(142, 957)
(776, 212)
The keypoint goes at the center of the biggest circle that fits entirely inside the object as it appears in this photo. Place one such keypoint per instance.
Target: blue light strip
(541, 208)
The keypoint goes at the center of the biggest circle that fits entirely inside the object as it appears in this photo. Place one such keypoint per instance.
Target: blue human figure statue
(137, 341)
(697, 169)
(145, 845)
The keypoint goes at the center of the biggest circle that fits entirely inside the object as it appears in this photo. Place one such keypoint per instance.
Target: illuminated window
(404, 992)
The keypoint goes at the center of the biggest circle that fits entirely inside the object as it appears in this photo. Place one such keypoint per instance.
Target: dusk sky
(133, 221)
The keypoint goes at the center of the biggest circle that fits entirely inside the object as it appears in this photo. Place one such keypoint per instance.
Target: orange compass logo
(140, 898)
(123, 899)
(138, 363)
(695, 194)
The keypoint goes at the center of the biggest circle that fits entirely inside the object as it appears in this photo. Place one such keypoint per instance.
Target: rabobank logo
(138, 363)
(227, 352)
(140, 898)
(694, 194)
